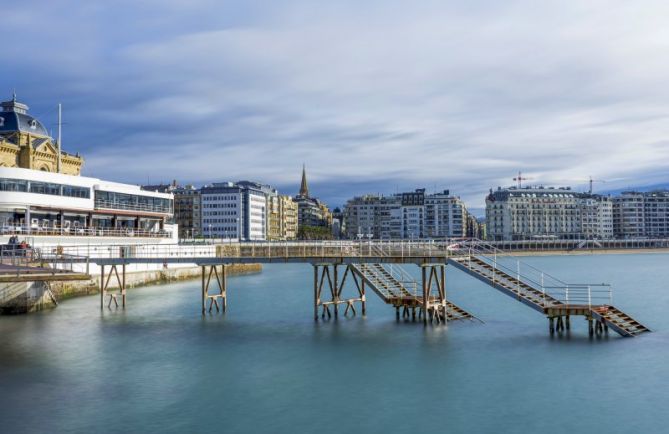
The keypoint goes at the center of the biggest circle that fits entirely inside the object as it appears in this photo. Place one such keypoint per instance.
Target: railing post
(589, 298)
(543, 290)
(494, 266)
(518, 277)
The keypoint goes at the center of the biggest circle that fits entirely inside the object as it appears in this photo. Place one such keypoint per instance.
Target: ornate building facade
(25, 143)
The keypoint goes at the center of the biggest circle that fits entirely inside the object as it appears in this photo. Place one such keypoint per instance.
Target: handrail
(494, 250)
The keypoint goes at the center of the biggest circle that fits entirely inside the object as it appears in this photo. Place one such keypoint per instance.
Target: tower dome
(14, 118)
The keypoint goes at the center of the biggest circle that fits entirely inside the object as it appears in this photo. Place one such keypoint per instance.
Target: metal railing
(83, 231)
(17, 256)
(553, 290)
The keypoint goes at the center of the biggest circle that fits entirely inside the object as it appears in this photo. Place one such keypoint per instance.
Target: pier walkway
(373, 264)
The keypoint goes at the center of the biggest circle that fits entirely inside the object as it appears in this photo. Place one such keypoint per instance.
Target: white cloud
(451, 94)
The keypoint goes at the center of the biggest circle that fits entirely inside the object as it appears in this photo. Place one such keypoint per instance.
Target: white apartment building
(596, 217)
(637, 214)
(412, 215)
(233, 211)
(445, 216)
(531, 213)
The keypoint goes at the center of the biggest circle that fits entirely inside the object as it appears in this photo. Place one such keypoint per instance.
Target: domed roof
(14, 117)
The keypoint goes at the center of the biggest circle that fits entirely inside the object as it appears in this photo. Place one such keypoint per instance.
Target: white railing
(582, 295)
(82, 231)
(552, 289)
(277, 249)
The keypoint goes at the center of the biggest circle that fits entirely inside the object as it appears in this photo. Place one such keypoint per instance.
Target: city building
(445, 216)
(288, 218)
(475, 227)
(234, 211)
(641, 214)
(369, 214)
(411, 215)
(338, 228)
(35, 202)
(282, 221)
(314, 217)
(273, 218)
(25, 143)
(537, 212)
(187, 207)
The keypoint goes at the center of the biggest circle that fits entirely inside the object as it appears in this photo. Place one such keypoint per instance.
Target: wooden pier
(343, 271)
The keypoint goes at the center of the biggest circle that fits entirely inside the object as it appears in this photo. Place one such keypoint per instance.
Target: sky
(373, 96)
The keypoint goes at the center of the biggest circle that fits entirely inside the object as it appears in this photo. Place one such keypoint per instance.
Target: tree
(314, 233)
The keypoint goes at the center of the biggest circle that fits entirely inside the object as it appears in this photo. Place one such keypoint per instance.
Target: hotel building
(553, 213)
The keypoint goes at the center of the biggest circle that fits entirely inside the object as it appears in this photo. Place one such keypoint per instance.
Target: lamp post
(209, 232)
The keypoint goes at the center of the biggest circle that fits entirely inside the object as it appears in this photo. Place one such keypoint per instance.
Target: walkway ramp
(619, 321)
(398, 288)
(541, 291)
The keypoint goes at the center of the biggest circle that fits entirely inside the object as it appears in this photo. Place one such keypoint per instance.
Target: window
(72, 191)
(44, 188)
(13, 185)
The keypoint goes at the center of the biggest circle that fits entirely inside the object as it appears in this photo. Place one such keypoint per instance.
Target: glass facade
(133, 202)
(25, 186)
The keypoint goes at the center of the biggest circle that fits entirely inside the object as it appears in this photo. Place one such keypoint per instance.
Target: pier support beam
(220, 276)
(327, 275)
(434, 302)
(104, 286)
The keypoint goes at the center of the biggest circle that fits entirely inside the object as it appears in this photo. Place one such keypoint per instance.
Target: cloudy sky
(374, 96)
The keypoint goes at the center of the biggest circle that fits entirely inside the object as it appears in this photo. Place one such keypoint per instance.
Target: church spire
(304, 190)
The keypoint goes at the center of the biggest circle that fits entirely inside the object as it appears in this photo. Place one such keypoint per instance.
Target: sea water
(267, 367)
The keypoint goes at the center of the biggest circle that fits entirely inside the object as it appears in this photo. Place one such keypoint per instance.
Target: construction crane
(520, 179)
(590, 181)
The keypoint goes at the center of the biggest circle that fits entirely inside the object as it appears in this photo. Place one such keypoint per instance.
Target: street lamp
(210, 232)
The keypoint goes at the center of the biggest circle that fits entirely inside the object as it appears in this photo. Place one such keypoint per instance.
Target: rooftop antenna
(60, 125)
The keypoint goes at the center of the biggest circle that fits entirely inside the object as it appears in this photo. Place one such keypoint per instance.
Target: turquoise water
(266, 367)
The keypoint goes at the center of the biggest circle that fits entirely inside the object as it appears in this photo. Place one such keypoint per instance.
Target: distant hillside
(664, 186)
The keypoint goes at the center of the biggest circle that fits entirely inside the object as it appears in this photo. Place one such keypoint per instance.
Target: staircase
(398, 288)
(619, 321)
(539, 290)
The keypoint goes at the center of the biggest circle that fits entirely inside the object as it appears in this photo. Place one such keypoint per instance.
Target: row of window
(209, 198)
(22, 185)
(219, 205)
(110, 199)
